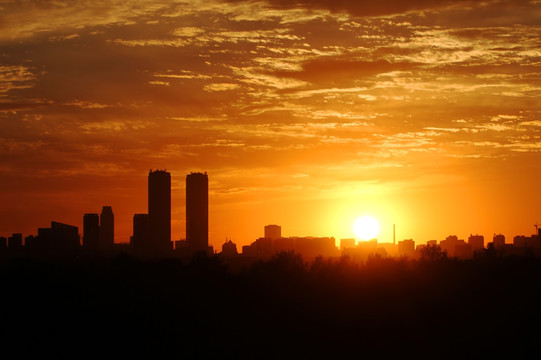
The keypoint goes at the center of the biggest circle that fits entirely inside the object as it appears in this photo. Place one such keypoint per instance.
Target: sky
(307, 114)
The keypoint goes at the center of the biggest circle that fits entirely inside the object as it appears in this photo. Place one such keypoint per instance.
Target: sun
(366, 228)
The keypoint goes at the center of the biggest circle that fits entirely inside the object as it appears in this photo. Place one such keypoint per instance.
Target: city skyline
(151, 234)
(270, 179)
(308, 115)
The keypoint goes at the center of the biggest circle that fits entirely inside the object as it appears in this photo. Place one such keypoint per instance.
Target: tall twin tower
(159, 210)
(152, 231)
(197, 211)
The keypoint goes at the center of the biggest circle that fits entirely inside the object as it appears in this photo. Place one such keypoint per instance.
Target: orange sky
(422, 113)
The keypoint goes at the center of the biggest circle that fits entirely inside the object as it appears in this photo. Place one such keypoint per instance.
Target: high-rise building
(273, 232)
(159, 210)
(197, 213)
(91, 231)
(107, 229)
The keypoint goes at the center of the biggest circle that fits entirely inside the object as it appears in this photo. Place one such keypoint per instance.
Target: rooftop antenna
(394, 234)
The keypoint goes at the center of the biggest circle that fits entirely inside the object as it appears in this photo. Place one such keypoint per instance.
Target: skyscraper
(91, 231)
(107, 229)
(159, 210)
(197, 211)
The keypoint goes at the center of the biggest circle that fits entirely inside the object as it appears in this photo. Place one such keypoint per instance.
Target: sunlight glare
(366, 228)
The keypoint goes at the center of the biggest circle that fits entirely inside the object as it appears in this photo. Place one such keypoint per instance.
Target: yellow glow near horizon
(366, 227)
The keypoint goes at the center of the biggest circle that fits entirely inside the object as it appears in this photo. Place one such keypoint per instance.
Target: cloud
(87, 104)
(187, 31)
(15, 77)
(34, 17)
(536, 123)
(444, 12)
(254, 76)
(220, 87)
(367, 8)
(339, 71)
(157, 82)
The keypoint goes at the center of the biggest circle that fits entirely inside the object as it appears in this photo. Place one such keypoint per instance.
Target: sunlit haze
(305, 114)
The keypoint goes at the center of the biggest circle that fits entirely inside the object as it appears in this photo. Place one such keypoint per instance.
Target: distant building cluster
(273, 243)
(152, 235)
(151, 231)
(450, 247)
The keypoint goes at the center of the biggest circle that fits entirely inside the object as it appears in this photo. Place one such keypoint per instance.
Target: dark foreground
(280, 308)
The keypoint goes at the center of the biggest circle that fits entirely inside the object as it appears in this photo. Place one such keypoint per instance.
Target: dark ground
(281, 308)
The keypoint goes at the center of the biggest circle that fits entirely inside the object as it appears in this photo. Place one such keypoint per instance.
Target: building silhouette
(159, 211)
(363, 250)
(432, 243)
(531, 242)
(477, 242)
(273, 232)
(311, 247)
(498, 241)
(282, 244)
(406, 247)
(261, 248)
(450, 243)
(91, 232)
(347, 243)
(107, 229)
(273, 243)
(29, 240)
(140, 241)
(58, 240)
(15, 241)
(388, 248)
(197, 212)
(464, 251)
(229, 249)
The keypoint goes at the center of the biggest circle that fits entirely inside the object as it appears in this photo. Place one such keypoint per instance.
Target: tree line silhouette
(281, 308)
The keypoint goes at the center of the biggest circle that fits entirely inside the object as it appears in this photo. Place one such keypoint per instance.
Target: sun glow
(366, 228)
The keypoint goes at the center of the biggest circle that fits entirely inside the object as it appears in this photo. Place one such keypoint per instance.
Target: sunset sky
(307, 114)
